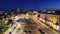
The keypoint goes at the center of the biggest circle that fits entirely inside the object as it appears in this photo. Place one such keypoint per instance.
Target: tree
(39, 15)
(10, 22)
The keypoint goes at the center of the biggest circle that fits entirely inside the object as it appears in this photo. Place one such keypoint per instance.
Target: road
(43, 27)
(25, 28)
(10, 29)
(29, 26)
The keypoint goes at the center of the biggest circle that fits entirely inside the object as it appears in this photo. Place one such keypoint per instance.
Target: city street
(29, 16)
(42, 26)
(29, 26)
(25, 28)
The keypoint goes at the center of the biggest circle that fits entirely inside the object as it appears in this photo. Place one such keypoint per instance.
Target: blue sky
(29, 4)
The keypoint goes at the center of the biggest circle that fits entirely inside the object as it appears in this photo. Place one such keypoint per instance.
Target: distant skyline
(30, 4)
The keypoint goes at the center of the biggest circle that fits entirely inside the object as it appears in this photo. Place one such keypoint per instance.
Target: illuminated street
(42, 26)
(25, 28)
(29, 16)
(30, 26)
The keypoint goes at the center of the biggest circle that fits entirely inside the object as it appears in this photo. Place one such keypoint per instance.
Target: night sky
(29, 4)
